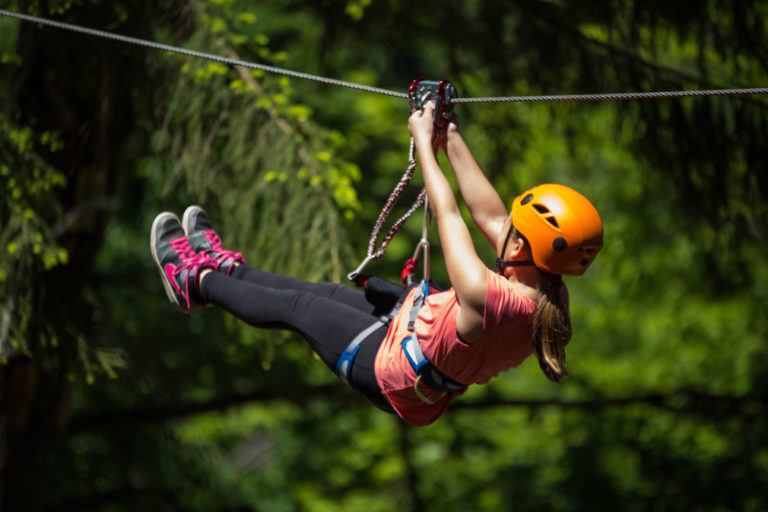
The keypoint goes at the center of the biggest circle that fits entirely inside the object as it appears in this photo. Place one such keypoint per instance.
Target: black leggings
(328, 315)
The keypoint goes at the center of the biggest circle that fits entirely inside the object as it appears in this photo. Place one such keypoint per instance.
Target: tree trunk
(87, 100)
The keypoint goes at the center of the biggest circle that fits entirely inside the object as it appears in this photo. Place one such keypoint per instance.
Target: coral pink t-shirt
(506, 342)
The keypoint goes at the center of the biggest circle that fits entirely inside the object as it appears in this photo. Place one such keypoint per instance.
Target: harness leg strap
(344, 365)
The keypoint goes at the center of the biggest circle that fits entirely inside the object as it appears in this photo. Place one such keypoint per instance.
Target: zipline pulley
(442, 93)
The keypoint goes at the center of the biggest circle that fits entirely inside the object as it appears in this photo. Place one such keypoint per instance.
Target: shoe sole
(169, 290)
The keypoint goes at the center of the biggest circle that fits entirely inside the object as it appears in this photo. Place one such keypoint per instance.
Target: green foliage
(241, 146)
(664, 408)
(28, 242)
(44, 8)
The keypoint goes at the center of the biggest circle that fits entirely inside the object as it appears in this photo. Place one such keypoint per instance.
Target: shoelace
(218, 252)
(182, 248)
(191, 262)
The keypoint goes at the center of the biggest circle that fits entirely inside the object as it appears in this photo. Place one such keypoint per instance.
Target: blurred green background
(112, 401)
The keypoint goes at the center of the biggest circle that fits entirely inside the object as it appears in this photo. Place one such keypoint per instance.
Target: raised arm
(486, 207)
(467, 272)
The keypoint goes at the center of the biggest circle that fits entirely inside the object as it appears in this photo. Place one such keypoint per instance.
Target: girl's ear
(515, 246)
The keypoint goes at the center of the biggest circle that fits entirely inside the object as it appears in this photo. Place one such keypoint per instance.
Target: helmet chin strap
(501, 264)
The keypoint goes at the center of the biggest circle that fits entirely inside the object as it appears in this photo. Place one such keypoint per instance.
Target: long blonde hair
(551, 328)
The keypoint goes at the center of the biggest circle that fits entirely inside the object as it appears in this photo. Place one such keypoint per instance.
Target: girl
(412, 355)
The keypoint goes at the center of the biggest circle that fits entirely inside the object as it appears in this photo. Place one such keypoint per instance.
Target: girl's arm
(466, 270)
(486, 207)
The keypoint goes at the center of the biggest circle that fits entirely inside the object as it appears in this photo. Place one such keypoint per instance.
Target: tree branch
(90, 422)
(681, 401)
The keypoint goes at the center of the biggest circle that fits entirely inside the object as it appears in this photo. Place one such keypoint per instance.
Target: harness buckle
(426, 372)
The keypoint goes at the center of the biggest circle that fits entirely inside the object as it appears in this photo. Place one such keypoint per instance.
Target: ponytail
(551, 328)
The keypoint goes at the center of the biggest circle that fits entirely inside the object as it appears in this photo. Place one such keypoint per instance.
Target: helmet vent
(547, 214)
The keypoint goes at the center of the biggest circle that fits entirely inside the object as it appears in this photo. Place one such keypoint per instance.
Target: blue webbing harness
(344, 364)
(424, 369)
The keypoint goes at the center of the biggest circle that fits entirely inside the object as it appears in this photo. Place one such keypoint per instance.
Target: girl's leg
(344, 294)
(373, 303)
(328, 315)
(327, 324)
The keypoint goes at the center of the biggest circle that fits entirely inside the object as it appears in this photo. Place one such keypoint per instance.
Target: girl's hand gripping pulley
(441, 93)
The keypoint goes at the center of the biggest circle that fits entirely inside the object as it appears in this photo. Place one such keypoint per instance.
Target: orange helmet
(563, 229)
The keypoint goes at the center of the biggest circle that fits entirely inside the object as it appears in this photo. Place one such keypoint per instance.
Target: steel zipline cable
(613, 96)
(330, 81)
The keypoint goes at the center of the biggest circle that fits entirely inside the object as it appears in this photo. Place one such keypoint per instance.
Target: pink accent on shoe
(192, 263)
(219, 254)
(172, 273)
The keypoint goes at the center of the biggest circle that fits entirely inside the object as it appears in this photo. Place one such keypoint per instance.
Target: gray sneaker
(205, 242)
(178, 264)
